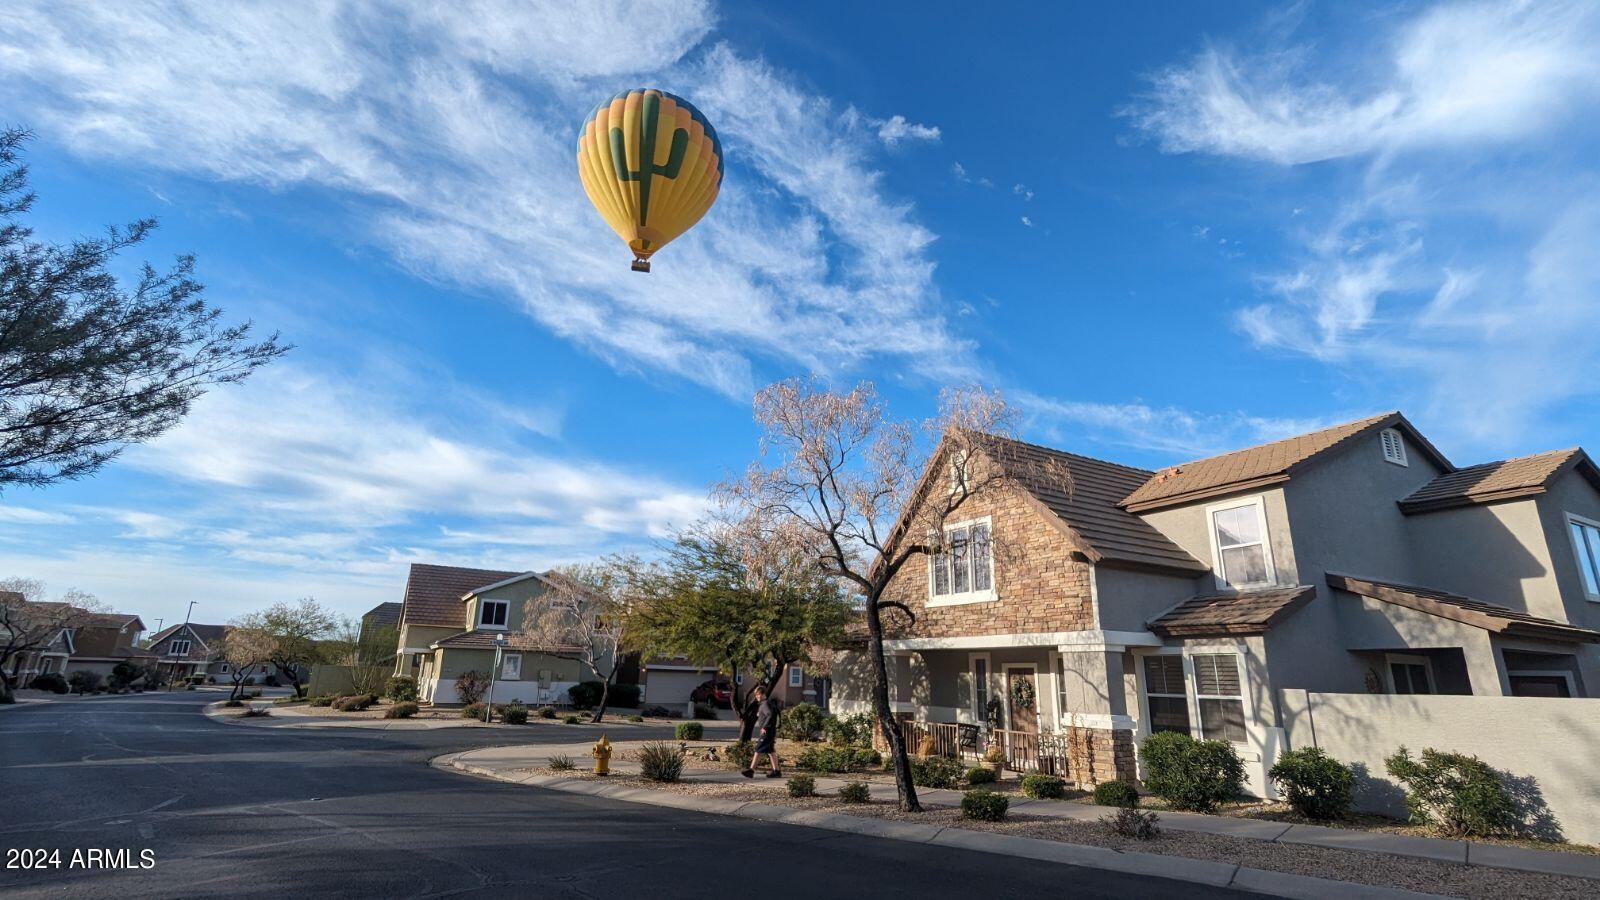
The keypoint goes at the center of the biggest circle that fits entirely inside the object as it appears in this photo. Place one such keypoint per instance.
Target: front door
(1022, 699)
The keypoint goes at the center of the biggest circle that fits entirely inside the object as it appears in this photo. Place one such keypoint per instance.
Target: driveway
(238, 811)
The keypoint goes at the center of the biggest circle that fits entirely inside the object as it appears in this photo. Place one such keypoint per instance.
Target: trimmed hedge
(1315, 784)
(1044, 787)
(984, 805)
(802, 786)
(838, 759)
(405, 709)
(401, 689)
(980, 775)
(1190, 774)
(51, 681)
(1116, 793)
(937, 772)
(688, 731)
(855, 792)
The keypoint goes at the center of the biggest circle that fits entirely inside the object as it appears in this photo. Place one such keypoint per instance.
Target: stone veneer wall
(1110, 755)
(1039, 587)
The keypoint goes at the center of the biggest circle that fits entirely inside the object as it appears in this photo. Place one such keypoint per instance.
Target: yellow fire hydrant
(602, 756)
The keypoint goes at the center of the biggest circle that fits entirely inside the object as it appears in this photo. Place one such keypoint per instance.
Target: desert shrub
(561, 763)
(849, 731)
(83, 681)
(636, 718)
(740, 753)
(233, 703)
(855, 792)
(802, 786)
(980, 775)
(355, 702)
(660, 712)
(1191, 774)
(624, 696)
(472, 711)
(401, 689)
(688, 731)
(512, 713)
(1044, 787)
(1456, 793)
(802, 722)
(546, 712)
(570, 720)
(52, 682)
(405, 709)
(256, 712)
(704, 711)
(1132, 823)
(471, 686)
(837, 759)
(321, 701)
(937, 772)
(984, 805)
(1315, 784)
(660, 761)
(123, 674)
(585, 694)
(863, 757)
(1116, 793)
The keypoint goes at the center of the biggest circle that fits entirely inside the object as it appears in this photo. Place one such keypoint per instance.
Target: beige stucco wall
(1496, 553)
(1570, 493)
(1551, 745)
(1190, 528)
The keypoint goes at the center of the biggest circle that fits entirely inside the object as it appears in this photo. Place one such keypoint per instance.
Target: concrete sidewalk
(299, 718)
(498, 762)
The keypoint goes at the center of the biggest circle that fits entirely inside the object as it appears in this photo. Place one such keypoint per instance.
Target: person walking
(766, 734)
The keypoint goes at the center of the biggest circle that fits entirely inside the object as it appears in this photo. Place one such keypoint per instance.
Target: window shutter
(1394, 449)
(1163, 674)
(1217, 675)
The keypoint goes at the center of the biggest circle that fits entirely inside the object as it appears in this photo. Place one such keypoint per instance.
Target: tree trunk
(5, 689)
(290, 673)
(886, 720)
(605, 694)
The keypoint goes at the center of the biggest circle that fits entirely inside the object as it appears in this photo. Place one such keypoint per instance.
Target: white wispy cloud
(1023, 191)
(1174, 433)
(895, 129)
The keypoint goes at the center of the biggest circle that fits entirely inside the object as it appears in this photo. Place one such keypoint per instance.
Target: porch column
(1094, 712)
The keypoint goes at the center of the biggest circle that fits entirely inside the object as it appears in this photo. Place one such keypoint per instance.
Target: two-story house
(455, 620)
(189, 649)
(1107, 602)
(103, 640)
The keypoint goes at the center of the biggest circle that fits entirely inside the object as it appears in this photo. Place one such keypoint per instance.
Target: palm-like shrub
(661, 761)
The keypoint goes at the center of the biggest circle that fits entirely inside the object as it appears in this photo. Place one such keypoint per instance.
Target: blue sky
(1161, 232)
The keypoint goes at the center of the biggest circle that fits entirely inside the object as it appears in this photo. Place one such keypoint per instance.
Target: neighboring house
(384, 615)
(106, 639)
(796, 685)
(1111, 602)
(449, 625)
(670, 680)
(190, 649)
(46, 658)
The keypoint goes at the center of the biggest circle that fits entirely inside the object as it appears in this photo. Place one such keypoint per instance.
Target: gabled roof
(1084, 504)
(1265, 464)
(433, 593)
(1465, 610)
(205, 634)
(484, 640)
(1507, 479)
(520, 576)
(113, 620)
(384, 614)
(1250, 612)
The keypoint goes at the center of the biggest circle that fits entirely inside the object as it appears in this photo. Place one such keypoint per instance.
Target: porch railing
(1023, 751)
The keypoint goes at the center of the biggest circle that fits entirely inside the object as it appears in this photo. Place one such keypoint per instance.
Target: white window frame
(1005, 687)
(968, 596)
(172, 647)
(1219, 572)
(1583, 555)
(1408, 659)
(1572, 684)
(980, 715)
(1191, 685)
(1196, 724)
(1391, 438)
(797, 676)
(483, 607)
(509, 661)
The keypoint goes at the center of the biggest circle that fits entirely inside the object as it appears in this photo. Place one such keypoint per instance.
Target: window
(1540, 684)
(797, 676)
(1239, 534)
(511, 667)
(1410, 674)
(1164, 692)
(980, 689)
(1394, 449)
(178, 648)
(1586, 543)
(966, 564)
(222, 668)
(1217, 687)
(494, 613)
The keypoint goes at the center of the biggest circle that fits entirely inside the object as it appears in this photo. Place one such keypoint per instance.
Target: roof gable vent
(1394, 448)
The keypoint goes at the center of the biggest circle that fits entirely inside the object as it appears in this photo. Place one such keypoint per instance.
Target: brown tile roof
(1086, 502)
(1503, 480)
(1465, 610)
(210, 635)
(112, 620)
(433, 593)
(484, 640)
(1251, 612)
(384, 614)
(1262, 465)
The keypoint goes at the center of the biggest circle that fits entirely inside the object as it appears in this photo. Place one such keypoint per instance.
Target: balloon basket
(641, 265)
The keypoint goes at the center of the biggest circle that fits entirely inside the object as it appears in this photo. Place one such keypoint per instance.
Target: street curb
(1174, 868)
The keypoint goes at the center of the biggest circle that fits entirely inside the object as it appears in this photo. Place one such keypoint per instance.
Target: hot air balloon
(652, 165)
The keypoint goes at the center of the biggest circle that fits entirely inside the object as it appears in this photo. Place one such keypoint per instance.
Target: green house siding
(516, 596)
(454, 662)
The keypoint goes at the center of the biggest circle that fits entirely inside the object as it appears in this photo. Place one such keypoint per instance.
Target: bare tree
(851, 483)
(31, 624)
(367, 652)
(583, 615)
(244, 648)
(297, 630)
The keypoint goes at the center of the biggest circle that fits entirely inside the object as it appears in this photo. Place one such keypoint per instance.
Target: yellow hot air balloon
(652, 165)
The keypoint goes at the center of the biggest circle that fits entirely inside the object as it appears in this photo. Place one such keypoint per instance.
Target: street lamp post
(499, 648)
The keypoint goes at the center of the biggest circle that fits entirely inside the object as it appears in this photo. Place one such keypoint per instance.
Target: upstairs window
(1586, 544)
(178, 648)
(1239, 535)
(797, 676)
(966, 564)
(1394, 449)
(493, 614)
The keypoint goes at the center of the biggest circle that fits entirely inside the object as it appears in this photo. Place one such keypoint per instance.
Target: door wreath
(1022, 694)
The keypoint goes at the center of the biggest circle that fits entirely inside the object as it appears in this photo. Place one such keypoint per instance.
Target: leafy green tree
(297, 630)
(89, 365)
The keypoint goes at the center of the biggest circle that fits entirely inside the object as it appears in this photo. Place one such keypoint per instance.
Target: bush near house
(855, 792)
(980, 775)
(472, 711)
(545, 712)
(321, 701)
(802, 722)
(52, 682)
(1315, 784)
(838, 759)
(661, 762)
(740, 753)
(571, 720)
(405, 709)
(355, 702)
(471, 685)
(802, 786)
(984, 805)
(704, 711)
(1044, 787)
(660, 712)
(1456, 793)
(1116, 793)
(512, 713)
(401, 688)
(586, 695)
(83, 682)
(124, 674)
(1190, 774)
(937, 772)
(1132, 823)
(849, 731)
(688, 731)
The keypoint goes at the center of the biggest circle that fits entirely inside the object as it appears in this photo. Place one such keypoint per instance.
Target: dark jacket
(767, 716)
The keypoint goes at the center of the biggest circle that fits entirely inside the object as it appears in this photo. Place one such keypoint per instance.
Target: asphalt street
(238, 811)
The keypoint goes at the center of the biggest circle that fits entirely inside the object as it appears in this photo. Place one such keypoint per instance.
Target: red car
(717, 692)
